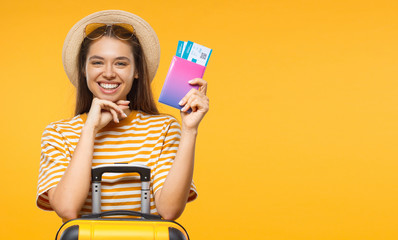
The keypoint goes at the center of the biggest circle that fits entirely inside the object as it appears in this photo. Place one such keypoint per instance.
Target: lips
(109, 86)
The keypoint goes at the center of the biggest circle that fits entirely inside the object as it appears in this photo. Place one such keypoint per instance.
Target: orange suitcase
(147, 226)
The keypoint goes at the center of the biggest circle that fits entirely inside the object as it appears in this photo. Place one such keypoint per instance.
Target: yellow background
(301, 138)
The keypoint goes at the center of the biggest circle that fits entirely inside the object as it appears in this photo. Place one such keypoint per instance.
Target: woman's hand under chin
(102, 112)
(198, 102)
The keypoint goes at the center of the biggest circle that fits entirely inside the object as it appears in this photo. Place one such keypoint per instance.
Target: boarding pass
(193, 52)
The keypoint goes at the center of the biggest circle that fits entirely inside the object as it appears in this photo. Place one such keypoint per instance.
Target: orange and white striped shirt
(151, 140)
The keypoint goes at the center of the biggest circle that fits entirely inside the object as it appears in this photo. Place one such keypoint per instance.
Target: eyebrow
(118, 58)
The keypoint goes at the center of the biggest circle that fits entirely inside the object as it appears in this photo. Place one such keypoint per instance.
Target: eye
(96, 63)
(122, 64)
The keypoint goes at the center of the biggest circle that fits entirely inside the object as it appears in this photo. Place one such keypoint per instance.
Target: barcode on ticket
(194, 52)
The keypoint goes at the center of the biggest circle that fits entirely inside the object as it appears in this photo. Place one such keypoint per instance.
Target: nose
(109, 72)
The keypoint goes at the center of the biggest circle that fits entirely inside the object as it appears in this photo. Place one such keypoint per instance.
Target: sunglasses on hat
(123, 31)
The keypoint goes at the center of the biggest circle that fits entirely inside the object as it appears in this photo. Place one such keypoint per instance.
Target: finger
(184, 100)
(185, 108)
(194, 105)
(187, 100)
(124, 107)
(124, 115)
(201, 83)
(202, 89)
(107, 105)
(123, 102)
(203, 105)
(191, 98)
(197, 102)
(114, 114)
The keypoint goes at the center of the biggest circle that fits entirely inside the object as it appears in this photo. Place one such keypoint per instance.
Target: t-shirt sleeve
(168, 152)
(53, 163)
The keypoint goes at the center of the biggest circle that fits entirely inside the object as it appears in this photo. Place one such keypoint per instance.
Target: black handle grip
(144, 171)
(123, 212)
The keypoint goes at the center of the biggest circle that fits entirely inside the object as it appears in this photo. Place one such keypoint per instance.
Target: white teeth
(109, 85)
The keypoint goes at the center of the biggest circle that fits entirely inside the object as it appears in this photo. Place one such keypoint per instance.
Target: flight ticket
(193, 52)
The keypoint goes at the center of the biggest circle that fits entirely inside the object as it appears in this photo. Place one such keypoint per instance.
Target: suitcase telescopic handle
(96, 177)
(123, 212)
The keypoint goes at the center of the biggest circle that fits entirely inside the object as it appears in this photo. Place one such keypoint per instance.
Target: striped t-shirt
(151, 140)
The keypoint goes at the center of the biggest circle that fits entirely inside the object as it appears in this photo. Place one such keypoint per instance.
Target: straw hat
(144, 32)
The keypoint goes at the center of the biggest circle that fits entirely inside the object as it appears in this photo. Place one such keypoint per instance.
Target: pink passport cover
(176, 85)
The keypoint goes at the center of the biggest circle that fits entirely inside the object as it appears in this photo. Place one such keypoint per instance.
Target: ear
(136, 75)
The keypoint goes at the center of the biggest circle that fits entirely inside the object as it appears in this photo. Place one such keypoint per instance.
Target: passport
(176, 85)
(189, 62)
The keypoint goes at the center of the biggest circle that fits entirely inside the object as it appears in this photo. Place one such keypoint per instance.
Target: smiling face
(110, 69)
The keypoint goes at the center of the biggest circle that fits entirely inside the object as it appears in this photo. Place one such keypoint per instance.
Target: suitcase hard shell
(94, 227)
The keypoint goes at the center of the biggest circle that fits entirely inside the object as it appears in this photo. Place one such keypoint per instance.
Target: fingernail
(125, 115)
(190, 81)
(180, 103)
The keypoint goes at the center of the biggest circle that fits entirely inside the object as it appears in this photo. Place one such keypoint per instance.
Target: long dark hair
(140, 95)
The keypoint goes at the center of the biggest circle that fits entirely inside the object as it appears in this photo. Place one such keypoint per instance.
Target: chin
(116, 98)
(109, 98)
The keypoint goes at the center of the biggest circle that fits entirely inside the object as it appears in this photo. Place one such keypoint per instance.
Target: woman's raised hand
(103, 112)
(198, 102)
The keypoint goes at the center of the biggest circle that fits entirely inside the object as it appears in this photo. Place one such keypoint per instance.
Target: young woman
(111, 57)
